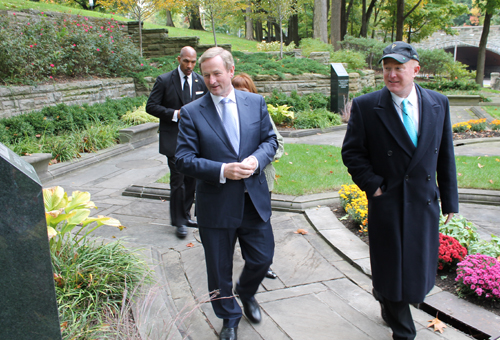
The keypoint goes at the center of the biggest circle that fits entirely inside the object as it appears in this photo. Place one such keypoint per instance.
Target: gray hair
(226, 56)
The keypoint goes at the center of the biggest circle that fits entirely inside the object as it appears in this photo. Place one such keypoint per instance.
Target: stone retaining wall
(15, 100)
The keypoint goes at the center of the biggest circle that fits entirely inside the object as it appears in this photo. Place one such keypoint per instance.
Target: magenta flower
(112, 51)
(28, 23)
(142, 64)
(31, 46)
(102, 27)
(51, 65)
(86, 30)
(98, 50)
(50, 77)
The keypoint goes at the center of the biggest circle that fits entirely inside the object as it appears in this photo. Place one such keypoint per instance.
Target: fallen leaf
(480, 166)
(498, 160)
(438, 325)
(459, 174)
(286, 153)
(331, 171)
(325, 161)
(290, 162)
(491, 181)
(64, 325)
(190, 245)
(301, 231)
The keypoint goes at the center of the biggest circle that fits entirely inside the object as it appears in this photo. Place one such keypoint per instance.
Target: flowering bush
(450, 252)
(50, 47)
(495, 125)
(355, 203)
(477, 124)
(461, 127)
(274, 46)
(479, 275)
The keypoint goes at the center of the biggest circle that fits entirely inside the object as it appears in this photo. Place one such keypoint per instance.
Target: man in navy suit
(225, 141)
(171, 91)
(398, 144)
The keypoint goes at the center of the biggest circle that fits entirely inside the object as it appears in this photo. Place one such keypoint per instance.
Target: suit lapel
(429, 112)
(209, 111)
(244, 117)
(390, 118)
(177, 83)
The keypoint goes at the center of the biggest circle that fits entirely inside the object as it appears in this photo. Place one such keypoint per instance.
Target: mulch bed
(444, 280)
(474, 134)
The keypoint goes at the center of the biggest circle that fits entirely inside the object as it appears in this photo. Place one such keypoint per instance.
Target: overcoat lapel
(390, 118)
(429, 110)
(212, 117)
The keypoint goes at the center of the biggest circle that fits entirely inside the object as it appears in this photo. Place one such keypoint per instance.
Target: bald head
(187, 60)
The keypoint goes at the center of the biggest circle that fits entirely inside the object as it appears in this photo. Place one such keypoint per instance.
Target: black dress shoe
(228, 333)
(380, 299)
(270, 274)
(181, 231)
(191, 224)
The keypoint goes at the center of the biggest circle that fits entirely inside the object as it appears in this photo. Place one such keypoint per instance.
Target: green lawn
(493, 111)
(478, 172)
(238, 44)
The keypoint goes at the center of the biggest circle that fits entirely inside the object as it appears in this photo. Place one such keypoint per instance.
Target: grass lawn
(493, 111)
(478, 172)
(206, 37)
(308, 169)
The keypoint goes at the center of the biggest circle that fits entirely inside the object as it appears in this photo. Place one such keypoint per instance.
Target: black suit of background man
(165, 102)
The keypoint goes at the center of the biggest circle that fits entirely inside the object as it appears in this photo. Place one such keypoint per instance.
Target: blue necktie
(229, 122)
(408, 122)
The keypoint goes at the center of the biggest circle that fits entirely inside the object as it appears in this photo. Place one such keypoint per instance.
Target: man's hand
(378, 192)
(251, 161)
(448, 219)
(237, 171)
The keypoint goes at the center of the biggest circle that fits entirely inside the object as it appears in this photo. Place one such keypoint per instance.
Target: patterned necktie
(408, 122)
(186, 91)
(229, 122)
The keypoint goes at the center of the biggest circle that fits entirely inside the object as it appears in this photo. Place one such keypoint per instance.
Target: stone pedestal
(339, 87)
(28, 307)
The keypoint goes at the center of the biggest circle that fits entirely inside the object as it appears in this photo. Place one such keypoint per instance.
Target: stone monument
(28, 307)
(339, 87)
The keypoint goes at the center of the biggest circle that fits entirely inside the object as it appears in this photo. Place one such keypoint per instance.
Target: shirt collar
(181, 74)
(412, 97)
(217, 99)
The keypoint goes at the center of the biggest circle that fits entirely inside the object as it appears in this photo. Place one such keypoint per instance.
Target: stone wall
(16, 100)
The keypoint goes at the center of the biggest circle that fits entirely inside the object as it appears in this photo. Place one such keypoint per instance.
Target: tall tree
(169, 21)
(320, 21)
(365, 19)
(193, 11)
(280, 10)
(248, 23)
(489, 8)
(335, 24)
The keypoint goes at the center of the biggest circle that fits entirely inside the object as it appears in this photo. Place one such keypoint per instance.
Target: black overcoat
(403, 222)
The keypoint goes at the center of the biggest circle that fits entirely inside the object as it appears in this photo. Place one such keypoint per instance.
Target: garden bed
(475, 134)
(444, 280)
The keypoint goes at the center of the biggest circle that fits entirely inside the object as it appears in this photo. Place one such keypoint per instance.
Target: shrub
(355, 60)
(308, 45)
(447, 85)
(495, 125)
(274, 46)
(139, 116)
(483, 247)
(318, 118)
(280, 114)
(450, 252)
(355, 203)
(371, 49)
(48, 48)
(461, 127)
(479, 275)
(460, 229)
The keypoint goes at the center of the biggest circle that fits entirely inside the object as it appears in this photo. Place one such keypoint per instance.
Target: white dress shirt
(412, 107)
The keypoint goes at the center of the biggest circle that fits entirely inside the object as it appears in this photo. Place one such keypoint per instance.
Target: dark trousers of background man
(181, 195)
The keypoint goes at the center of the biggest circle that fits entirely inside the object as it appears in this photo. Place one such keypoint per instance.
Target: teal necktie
(408, 122)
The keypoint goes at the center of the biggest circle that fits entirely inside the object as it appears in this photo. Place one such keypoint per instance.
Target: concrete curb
(310, 132)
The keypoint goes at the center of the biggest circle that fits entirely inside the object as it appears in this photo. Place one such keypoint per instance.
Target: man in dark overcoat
(171, 91)
(398, 148)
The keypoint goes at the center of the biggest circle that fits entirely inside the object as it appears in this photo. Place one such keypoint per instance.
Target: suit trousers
(399, 318)
(182, 190)
(257, 247)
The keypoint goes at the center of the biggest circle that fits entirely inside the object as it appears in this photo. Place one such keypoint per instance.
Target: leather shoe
(250, 308)
(270, 274)
(228, 333)
(191, 224)
(181, 231)
(380, 299)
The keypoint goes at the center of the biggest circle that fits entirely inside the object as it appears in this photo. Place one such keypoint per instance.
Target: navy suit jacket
(164, 99)
(202, 147)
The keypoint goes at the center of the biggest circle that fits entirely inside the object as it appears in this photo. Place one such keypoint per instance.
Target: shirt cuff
(174, 117)
(222, 179)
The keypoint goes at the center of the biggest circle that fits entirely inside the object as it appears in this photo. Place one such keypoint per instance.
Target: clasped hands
(237, 171)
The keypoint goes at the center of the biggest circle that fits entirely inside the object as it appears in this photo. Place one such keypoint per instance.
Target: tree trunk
(400, 9)
(170, 22)
(345, 17)
(212, 19)
(258, 30)
(320, 21)
(481, 54)
(293, 30)
(248, 24)
(140, 33)
(335, 23)
(366, 18)
(195, 18)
